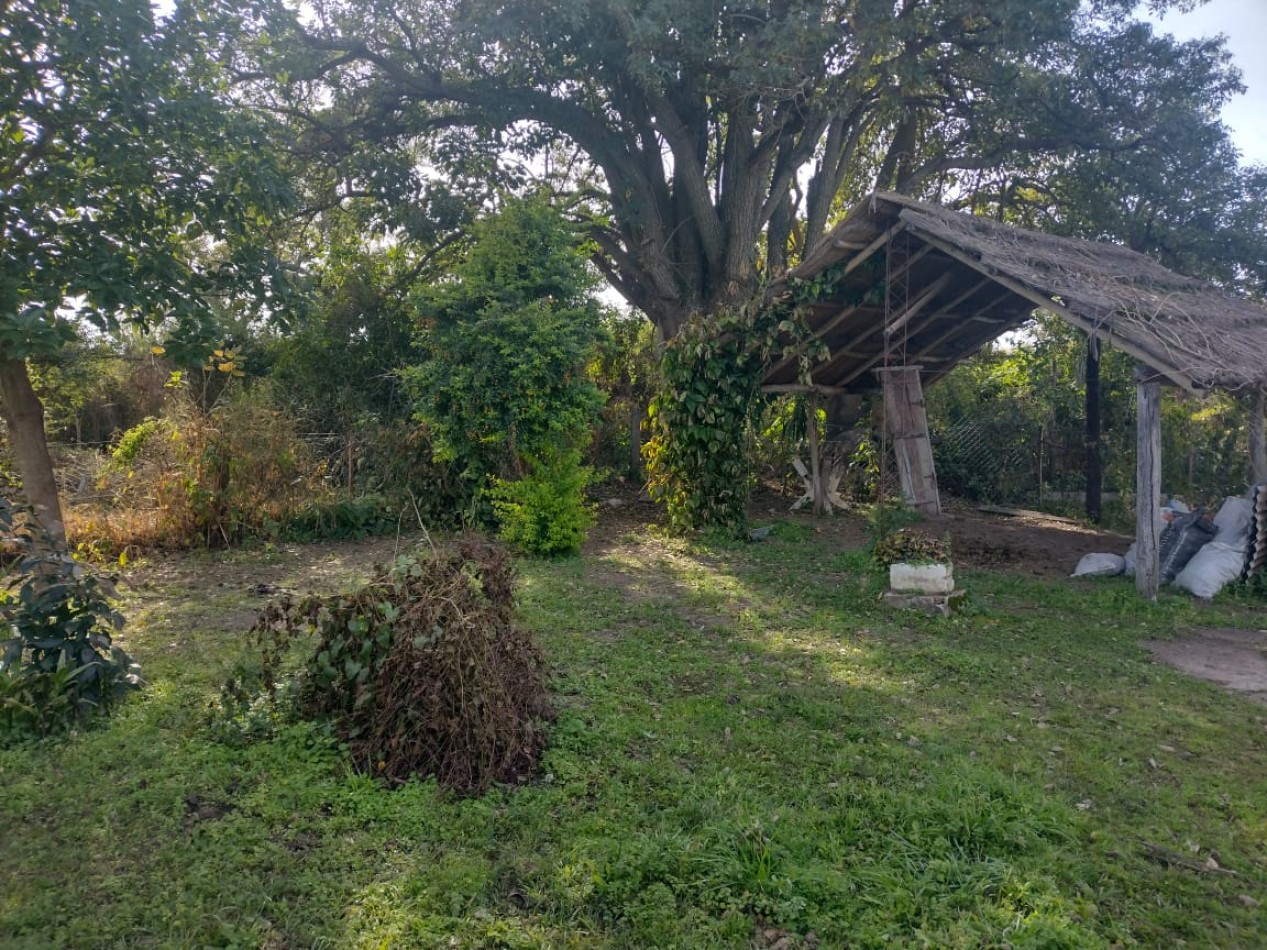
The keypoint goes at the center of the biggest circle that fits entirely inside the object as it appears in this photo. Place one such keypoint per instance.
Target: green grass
(750, 747)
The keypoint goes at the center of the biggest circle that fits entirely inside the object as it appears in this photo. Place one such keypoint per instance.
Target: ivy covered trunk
(698, 458)
(24, 416)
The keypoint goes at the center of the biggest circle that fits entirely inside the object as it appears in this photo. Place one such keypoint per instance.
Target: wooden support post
(1258, 438)
(1095, 477)
(908, 425)
(819, 488)
(1147, 481)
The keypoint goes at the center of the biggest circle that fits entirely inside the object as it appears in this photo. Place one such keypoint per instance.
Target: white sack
(1099, 565)
(1232, 522)
(1211, 569)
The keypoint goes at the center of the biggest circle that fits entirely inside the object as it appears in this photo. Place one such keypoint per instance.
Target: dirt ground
(1031, 544)
(1229, 657)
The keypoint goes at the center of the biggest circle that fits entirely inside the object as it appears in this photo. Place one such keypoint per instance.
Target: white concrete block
(921, 578)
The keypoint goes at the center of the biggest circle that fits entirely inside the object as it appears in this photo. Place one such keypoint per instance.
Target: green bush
(337, 519)
(506, 342)
(58, 663)
(545, 513)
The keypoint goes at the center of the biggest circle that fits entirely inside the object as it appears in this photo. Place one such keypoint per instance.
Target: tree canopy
(715, 138)
(129, 190)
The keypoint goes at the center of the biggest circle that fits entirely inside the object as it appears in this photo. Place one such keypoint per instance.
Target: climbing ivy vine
(698, 459)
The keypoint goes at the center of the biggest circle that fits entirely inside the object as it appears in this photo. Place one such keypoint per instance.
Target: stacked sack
(1217, 563)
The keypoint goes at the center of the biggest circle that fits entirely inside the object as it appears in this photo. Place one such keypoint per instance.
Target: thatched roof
(958, 281)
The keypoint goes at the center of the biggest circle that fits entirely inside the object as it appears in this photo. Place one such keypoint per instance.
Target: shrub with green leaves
(699, 461)
(507, 341)
(58, 662)
(546, 513)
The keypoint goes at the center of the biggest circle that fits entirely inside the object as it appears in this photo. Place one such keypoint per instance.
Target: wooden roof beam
(1041, 300)
(839, 318)
(958, 327)
(907, 314)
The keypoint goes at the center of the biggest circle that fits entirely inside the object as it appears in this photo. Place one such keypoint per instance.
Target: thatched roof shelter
(904, 290)
(956, 282)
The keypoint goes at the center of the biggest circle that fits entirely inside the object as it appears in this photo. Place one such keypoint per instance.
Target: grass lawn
(751, 751)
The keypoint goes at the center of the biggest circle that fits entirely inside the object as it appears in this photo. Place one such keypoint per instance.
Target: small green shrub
(337, 519)
(131, 443)
(58, 663)
(545, 513)
(910, 547)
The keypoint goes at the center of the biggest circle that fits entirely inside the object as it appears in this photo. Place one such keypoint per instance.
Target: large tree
(713, 136)
(128, 191)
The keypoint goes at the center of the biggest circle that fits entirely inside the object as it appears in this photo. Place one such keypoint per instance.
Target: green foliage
(337, 519)
(1007, 416)
(58, 663)
(627, 370)
(508, 339)
(337, 371)
(698, 458)
(132, 166)
(221, 475)
(128, 449)
(696, 129)
(911, 547)
(546, 513)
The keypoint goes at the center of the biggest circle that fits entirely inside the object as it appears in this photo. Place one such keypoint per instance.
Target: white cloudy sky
(1244, 23)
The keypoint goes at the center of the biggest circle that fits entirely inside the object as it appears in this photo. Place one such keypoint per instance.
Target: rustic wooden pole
(1147, 481)
(907, 423)
(1258, 438)
(1095, 477)
(815, 463)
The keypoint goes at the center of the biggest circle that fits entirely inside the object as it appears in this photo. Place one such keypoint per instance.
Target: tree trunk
(1095, 478)
(24, 415)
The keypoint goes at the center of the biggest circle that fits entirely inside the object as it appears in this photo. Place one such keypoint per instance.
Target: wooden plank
(1258, 438)
(876, 328)
(802, 388)
(936, 287)
(838, 319)
(915, 307)
(815, 460)
(818, 334)
(908, 425)
(958, 327)
(861, 257)
(1042, 300)
(1091, 399)
(1147, 483)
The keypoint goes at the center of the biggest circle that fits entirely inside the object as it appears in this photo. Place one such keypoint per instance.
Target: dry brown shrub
(425, 671)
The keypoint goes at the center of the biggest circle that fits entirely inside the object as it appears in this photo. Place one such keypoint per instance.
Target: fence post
(1147, 481)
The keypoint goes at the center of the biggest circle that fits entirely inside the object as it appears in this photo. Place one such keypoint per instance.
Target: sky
(1244, 23)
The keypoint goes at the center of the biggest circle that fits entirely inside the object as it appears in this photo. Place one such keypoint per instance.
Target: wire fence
(1007, 462)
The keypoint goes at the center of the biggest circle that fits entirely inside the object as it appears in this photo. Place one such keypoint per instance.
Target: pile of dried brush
(423, 671)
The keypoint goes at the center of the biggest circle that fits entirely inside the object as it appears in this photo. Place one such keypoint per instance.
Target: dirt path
(1229, 657)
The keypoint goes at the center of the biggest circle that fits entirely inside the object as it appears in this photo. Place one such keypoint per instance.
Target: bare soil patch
(1227, 656)
(1030, 545)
